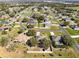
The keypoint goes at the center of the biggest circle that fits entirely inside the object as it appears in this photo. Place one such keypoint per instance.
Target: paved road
(67, 33)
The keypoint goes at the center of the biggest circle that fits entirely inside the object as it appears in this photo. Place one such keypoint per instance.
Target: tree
(3, 41)
(31, 33)
(7, 11)
(45, 43)
(67, 40)
(11, 47)
(1, 25)
(78, 24)
(40, 18)
(76, 20)
(54, 44)
(72, 19)
(19, 31)
(12, 14)
(25, 20)
(30, 26)
(4, 32)
(66, 23)
(32, 42)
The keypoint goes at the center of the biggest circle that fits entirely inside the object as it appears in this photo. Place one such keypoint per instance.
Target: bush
(45, 43)
(4, 32)
(78, 24)
(30, 26)
(67, 40)
(25, 20)
(31, 33)
(32, 42)
(3, 41)
(66, 23)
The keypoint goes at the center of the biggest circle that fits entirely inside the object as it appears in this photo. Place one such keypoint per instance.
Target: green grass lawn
(45, 33)
(76, 40)
(54, 28)
(74, 8)
(72, 32)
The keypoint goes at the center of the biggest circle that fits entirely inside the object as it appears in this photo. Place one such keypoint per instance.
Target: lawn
(54, 28)
(45, 33)
(58, 33)
(72, 32)
(5, 54)
(76, 40)
(74, 8)
(66, 53)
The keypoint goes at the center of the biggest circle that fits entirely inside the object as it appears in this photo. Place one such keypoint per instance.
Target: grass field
(74, 8)
(66, 53)
(76, 40)
(72, 32)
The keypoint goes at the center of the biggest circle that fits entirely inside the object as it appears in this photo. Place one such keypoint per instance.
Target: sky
(48, 0)
(39, 0)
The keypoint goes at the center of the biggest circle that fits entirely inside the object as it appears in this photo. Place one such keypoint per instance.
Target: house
(32, 21)
(35, 8)
(59, 15)
(52, 33)
(57, 40)
(4, 28)
(47, 23)
(37, 33)
(75, 27)
(46, 8)
(38, 36)
(67, 19)
(72, 23)
(62, 25)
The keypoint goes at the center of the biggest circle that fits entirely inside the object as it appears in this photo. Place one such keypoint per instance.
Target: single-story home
(75, 27)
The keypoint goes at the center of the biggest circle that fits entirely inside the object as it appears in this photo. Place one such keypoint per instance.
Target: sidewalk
(39, 51)
(74, 36)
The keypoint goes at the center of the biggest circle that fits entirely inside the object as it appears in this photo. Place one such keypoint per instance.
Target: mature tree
(3, 41)
(40, 18)
(25, 20)
(31, 33)
(78, 24)
(30, 26)
(76, 20)
(11, 47)
(45, 43)
(4, 32)
(67, 40)
(72, 19)
(32, 42)
(54, 44)
(12, 14)
(14, 32)
(7, 11)
(66, 23)
(1, 25)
